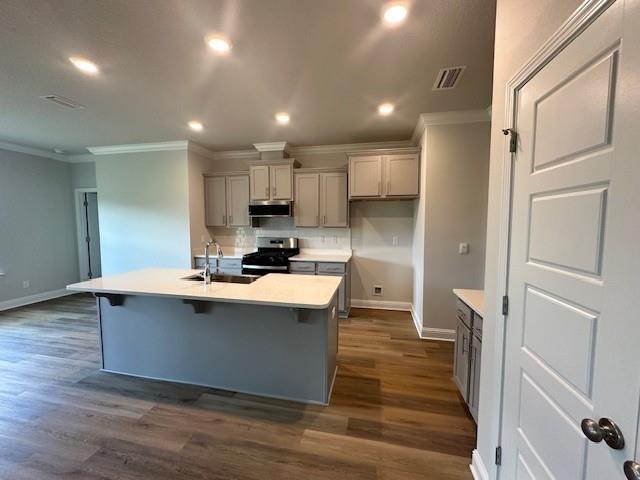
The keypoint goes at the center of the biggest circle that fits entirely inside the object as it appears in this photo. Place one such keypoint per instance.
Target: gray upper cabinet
(272, 180)
(365, 176)
(215, 193)
(334, 205)
(226, 200)
(259, 182)
(393, 175)
(238, 200)
(401, 175)
(321, 198)
(307, 200)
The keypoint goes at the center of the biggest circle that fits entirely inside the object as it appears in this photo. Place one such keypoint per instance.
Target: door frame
(78, 193)
(577, 22)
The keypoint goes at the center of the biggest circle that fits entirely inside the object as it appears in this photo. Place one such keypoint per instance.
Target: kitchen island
(276, 337)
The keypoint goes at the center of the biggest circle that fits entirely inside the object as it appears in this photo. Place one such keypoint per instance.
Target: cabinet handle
(379, 187)
(266, 192)
(274, 192)
(230, 219)
(324, 219)
(388, 186)
(464, 345)
(224, 219)
(317, 219)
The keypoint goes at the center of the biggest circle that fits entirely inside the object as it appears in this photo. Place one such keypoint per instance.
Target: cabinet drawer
(303, 267)
(331, 267)
(230, 263)
(463, 312)
(199, 262)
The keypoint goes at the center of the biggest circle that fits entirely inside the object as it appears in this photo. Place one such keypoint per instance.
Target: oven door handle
(266, 267)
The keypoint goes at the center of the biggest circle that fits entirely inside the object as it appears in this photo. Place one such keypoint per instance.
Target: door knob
(632, 470)
(605, 429)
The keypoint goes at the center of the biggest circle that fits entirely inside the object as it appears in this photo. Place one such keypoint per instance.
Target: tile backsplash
(245, 237)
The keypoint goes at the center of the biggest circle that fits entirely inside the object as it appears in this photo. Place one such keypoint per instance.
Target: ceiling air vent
(448, 78)
(64, 101)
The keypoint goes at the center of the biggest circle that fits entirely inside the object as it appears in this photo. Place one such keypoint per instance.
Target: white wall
(37, 225)
(143, 205)
(454, 168)
(83, 175)
(522, 27)
(457, 178)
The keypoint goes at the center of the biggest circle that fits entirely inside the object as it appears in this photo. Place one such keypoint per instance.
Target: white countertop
(473, 298)
(322, 255)
(274, 289)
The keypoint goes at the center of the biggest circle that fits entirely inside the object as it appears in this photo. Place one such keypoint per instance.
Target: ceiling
(329, 63)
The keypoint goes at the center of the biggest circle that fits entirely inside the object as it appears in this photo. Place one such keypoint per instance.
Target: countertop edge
(466, 295)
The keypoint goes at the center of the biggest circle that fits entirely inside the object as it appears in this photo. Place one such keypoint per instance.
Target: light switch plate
(463, 248)
(394, 240)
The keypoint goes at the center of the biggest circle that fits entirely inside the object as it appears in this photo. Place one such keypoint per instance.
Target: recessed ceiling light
(386, 108)
(218, 44)
(282, 118)
(195, 125)
(395, 13)
(84, 65)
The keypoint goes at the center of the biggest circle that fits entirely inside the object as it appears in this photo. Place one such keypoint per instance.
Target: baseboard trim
(381, 305)
(478, 470)
(443, 334)
(30, 299)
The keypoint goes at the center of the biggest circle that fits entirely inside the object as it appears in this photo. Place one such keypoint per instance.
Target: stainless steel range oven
(272, 256)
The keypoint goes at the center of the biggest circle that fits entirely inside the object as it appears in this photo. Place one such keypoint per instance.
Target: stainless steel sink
(220, 277)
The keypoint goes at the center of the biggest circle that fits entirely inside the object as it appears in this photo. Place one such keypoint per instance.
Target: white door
(238, 201)
(334, 205)
(574, 321)
(365, 176)
(306, 204)
(259, 182)
(281, 182)
(215, 194)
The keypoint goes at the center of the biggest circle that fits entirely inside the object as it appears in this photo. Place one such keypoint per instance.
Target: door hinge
(498, 455)
(513, 139)
(87, 239)
(85, 203)
(505, 305)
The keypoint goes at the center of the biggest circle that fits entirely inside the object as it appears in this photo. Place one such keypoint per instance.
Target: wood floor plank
(394, 414)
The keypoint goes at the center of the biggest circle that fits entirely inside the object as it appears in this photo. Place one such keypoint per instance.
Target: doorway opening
(88, 233)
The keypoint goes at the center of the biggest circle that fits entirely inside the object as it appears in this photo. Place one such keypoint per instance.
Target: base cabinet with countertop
(339, 269)
(468, 346)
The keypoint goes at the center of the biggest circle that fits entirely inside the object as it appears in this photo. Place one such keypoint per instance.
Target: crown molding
(271, 147)
(13, 147)
(349, 147)
(140, 148)
(448, 118)
(80, 158)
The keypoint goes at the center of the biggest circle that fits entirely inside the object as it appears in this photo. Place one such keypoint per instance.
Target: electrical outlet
(394, 240)
(378, 291)
(26, 284)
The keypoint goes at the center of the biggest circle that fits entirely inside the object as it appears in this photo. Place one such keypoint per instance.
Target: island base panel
(264, 350)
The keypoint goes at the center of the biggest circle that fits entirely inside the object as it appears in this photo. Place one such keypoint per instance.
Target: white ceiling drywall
(329, 63)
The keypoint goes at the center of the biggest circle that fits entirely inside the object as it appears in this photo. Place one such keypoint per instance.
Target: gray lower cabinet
(462, 359)
(467, 357)
(325, 268)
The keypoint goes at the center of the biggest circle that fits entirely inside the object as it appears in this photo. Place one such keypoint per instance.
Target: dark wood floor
(394, 414)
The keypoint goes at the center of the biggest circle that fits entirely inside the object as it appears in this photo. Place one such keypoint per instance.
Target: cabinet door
(281, 182)
(334, 204)
(342, 291)
(215, 194)
(306, 204)
(365, 176)
(474, 377)
(238, 200)
(259, 182)
(401, 175)
(461, 366)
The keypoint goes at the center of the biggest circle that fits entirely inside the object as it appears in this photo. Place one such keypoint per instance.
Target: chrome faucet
(206, 274)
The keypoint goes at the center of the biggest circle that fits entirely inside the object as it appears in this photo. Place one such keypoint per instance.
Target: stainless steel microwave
(271, 208)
